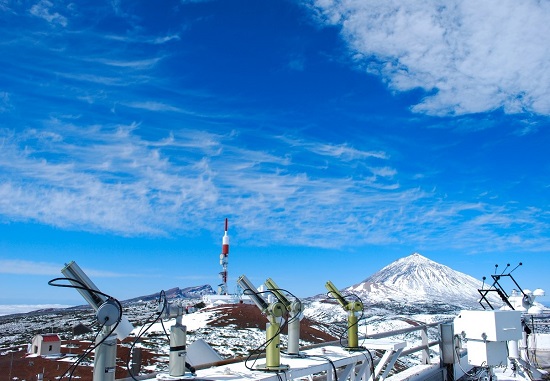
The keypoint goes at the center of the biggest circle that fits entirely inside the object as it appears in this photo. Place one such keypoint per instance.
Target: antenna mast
(222, 288)
(497, 287)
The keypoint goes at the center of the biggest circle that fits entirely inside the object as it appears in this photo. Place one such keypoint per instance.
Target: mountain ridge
(192, 292)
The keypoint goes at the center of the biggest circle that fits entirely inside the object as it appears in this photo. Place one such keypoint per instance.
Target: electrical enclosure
(489, 325)
(490, 353)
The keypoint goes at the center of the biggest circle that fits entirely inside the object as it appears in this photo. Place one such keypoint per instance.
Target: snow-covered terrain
(413, 285)
(408, 292)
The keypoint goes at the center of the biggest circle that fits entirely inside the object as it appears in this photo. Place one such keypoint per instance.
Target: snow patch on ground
(192, 321)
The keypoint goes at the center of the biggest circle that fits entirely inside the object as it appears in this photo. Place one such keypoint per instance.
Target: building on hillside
(46, 344)
(216, 300)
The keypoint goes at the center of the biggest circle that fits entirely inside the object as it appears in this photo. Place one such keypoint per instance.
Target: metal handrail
(402, 331)
(420, 347)
(423, 346)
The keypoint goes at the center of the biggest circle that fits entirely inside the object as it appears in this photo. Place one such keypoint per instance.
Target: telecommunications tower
(222, 288)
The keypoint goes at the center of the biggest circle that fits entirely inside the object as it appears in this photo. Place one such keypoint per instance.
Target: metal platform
(350, 365)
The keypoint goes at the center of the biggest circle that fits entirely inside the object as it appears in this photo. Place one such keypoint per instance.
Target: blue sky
(336, 136)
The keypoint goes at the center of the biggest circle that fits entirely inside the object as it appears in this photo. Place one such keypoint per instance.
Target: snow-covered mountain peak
(416, 257)
(418, 279)
(419, 273)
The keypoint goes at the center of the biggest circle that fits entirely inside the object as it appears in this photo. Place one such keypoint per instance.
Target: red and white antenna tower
(222, 288)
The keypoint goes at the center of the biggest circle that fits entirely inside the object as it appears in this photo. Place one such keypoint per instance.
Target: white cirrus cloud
(18, 266)
(25, 267)
(309, 193)
(43, 9)
(469, 56)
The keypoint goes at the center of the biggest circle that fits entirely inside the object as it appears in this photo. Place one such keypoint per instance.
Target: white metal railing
(425, 345)
(327, 361)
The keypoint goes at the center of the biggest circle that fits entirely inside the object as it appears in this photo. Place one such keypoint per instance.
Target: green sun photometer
(353, 309)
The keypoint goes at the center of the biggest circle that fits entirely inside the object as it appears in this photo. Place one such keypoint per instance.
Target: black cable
(90, 348)
(295, 317)
(341, 335)
(165, 331)
(327, 359)
(261, 348)
(531, 332)
(357, 298)
(466, 373)
(164, 307)
(371, 361)
(81, 286)
(156, 316)
(345, 332)
(296, 299)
